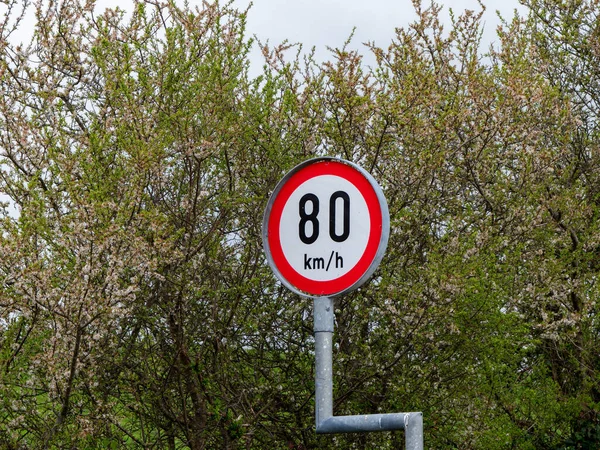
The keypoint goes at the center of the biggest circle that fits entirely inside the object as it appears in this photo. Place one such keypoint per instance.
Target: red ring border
(346, 281)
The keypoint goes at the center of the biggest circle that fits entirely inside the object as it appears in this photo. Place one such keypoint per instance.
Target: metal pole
(414, 431)
(323, 312)
(326, 422)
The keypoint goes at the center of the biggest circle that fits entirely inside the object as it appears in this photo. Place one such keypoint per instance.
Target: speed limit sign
(325, 228)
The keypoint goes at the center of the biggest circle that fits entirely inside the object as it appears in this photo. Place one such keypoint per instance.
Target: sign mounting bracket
(326, 422)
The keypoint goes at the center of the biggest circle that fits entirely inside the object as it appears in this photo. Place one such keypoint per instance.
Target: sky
(323, 23)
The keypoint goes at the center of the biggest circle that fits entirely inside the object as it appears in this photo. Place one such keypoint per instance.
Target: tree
(136, 307)
(129, 283)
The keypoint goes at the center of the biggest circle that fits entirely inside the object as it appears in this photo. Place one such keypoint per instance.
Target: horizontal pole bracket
(369, 422)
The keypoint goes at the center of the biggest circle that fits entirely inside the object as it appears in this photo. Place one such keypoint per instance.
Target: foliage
(136, 307)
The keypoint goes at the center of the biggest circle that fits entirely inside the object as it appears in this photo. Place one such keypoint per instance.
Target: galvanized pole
(326, 422)
(323, 312)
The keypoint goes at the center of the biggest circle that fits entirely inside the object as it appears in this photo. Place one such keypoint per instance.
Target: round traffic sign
(326, 227)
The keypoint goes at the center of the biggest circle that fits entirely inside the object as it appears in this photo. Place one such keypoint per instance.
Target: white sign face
(326, 227)
(333, 235)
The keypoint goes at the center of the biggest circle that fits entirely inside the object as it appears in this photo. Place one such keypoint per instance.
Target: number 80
(312, 217)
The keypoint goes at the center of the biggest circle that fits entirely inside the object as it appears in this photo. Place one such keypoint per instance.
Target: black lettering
(339, 261)
(318, 263)
(346, 216)
(305, 218)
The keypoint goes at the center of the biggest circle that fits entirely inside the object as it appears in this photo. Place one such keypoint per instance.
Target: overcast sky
(323, 23)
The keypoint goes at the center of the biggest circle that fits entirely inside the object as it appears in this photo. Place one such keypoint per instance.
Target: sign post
(325, 231)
